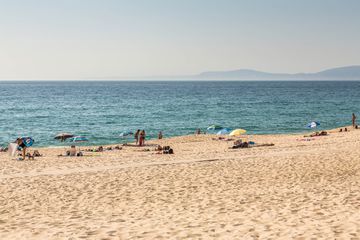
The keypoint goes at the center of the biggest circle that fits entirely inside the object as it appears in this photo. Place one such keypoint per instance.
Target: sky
(85, 39)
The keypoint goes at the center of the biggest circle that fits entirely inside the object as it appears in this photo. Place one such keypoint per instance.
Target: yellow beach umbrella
(237, 132)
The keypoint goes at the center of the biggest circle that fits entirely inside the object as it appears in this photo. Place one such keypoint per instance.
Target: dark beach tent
(78, 139)
(63, 136)
(214, 127)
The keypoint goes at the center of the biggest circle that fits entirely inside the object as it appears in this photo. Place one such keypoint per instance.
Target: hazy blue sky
(76, 39)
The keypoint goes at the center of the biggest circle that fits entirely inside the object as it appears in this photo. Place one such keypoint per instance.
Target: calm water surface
(102, 110)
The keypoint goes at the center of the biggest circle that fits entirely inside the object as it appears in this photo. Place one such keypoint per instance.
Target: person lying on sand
(317, 134)
(102, 149)
(240, 144)
(3, 149)
(36, 153)
(222, 139)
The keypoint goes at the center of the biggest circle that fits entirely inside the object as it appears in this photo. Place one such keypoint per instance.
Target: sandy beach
(300, 188)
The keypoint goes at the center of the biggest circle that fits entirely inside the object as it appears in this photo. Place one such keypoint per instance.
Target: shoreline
(130, 143)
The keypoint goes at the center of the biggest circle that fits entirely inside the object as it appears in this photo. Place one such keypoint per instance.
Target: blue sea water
(102, 110)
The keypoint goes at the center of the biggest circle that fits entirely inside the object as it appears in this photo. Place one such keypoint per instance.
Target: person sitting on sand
(36, 153)
(160, 135)
(72, 151)
(30, 156)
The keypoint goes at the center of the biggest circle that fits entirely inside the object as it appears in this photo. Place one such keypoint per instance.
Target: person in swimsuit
(160, 136)
(141, 138)
(136, 136)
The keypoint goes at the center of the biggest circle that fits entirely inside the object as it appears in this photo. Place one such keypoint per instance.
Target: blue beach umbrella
(126, 133)
(313, 124)
(224, 131)
(214, 127)
(78, 139)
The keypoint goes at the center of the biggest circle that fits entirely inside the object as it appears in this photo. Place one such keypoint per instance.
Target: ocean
(101, 110)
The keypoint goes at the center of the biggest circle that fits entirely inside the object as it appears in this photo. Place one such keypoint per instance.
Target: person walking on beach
(160, 136)
(136, 136)
(353, 119)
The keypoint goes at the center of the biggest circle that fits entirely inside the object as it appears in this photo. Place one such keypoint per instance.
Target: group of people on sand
(140, 137)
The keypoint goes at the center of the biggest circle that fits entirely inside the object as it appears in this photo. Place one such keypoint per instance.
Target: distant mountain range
(341, 73)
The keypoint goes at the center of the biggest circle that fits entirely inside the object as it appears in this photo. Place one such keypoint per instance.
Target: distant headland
(347, 73)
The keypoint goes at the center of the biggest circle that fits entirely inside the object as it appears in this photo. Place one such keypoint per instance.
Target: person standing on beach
(136, 136)
(142, 138)
(160, 136)
(353, 119)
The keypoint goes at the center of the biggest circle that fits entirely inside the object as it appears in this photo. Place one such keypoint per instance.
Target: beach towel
(12, 149)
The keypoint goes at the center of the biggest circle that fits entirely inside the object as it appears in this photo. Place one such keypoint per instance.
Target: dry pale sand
(293, 190)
